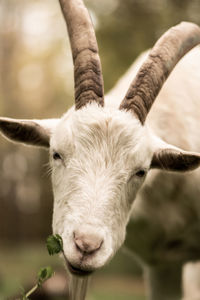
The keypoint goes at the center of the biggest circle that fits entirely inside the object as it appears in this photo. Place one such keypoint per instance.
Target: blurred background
(36, 81)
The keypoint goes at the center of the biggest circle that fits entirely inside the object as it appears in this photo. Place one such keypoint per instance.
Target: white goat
(101, 153)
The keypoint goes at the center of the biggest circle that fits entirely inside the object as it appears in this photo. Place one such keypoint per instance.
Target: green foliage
(44, 274)
(54, 244)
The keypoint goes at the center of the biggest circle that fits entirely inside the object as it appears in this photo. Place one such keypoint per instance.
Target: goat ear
(31, 132)
(172, 159)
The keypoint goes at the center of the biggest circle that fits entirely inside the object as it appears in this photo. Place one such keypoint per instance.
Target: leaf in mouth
(54, 244)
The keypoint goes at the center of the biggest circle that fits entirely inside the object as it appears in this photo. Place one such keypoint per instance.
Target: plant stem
(32, 290)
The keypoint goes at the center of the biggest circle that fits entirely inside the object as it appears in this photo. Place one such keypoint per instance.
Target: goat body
(165, 222)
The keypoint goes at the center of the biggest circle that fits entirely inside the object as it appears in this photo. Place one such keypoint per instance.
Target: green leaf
(54, 244)
(44, 274)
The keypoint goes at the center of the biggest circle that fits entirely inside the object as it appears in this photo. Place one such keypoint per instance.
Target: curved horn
(88, 78)
(168, 50)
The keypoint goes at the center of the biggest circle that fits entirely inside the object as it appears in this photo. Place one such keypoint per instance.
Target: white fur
(101, 149)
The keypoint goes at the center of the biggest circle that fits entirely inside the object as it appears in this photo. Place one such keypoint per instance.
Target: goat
(101, 152)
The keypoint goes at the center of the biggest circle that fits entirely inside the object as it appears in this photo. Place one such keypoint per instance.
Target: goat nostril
(87, 243)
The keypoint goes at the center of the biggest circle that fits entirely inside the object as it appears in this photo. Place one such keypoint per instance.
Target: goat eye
(56, 156)
(141, 173)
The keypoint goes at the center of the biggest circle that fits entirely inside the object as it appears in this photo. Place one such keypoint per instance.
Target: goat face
(99, 160)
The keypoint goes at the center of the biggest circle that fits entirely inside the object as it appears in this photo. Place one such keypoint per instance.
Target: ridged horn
(88, 79)
(163, 57)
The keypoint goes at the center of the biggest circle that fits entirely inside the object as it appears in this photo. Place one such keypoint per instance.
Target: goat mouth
(77, 271)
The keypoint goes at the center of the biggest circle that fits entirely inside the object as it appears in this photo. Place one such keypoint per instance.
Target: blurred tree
(134, 26)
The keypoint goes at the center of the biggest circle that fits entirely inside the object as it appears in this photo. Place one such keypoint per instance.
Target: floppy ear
(174, 159)
(31, 132)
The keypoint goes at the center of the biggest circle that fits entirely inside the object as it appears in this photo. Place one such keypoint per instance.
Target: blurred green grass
(114, 296)
(19, 265)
